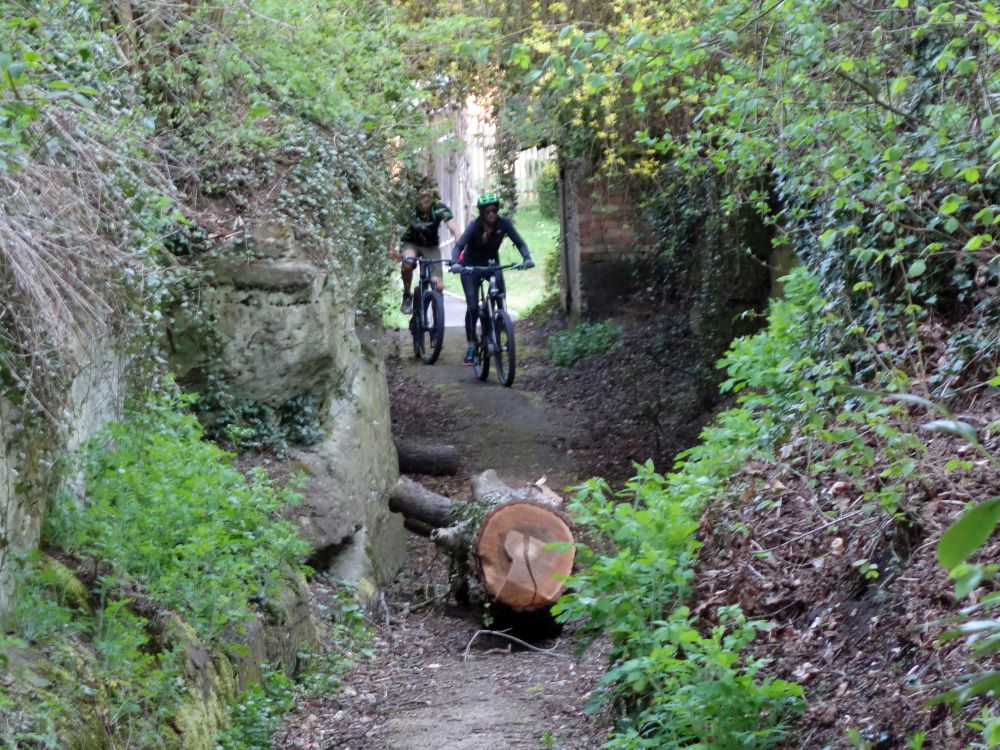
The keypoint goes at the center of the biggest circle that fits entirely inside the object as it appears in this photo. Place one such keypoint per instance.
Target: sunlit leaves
(968, 533)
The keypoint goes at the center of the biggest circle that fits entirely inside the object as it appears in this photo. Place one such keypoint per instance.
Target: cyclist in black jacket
(421, 238)
(478, 245)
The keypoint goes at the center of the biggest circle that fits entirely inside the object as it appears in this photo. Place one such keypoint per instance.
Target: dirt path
(511, 430)
(431, 681)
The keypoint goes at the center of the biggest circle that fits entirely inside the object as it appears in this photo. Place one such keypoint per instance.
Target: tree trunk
(419, 458)
(416, 502)
(514, 561)
(498, 542)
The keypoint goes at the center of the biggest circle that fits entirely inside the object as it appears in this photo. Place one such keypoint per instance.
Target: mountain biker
(421, 238)
(479, 244)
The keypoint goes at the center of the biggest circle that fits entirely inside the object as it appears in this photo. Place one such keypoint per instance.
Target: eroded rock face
(290, 331)
(30, 449)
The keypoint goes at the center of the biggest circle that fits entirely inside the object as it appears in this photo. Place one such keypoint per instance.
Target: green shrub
(584, 340)
(547, 187)
(699, 694)
(168, 511)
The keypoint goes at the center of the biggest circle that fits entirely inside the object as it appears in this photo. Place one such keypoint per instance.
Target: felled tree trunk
(420, 458)
(500, 543)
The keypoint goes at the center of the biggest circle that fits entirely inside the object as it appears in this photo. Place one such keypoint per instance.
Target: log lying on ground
(498, 542)
(419, 458)
(416, 502)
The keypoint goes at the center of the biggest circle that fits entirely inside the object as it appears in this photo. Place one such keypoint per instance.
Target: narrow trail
(431, 680)
(510, 430)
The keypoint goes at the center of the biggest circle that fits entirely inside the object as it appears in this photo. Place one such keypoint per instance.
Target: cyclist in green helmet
(478, 245)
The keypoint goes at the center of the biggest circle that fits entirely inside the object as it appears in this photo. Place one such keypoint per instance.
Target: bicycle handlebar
(429, 262)
(492, 267)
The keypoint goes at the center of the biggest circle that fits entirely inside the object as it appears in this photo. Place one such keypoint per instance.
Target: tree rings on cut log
(515, 566)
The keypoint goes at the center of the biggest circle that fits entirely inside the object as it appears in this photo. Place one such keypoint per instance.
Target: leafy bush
(698, 692)
(168, 511)
(122, 675)
(258, 713)
(676, 686)
(584, 340)
(547, 187)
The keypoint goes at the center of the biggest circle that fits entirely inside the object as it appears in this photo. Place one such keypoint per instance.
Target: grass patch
(525, 289)
(585, 340)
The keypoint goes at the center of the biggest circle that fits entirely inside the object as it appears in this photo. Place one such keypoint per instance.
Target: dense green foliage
(863, 137)
(134, 138)
(583, 340)
(167, 511)
(866, 137)
(546, 186)
(169, 524)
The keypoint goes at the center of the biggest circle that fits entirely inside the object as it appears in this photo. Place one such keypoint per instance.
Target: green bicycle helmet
(487, 199)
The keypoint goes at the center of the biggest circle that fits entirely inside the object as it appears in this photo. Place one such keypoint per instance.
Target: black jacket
(473, 250)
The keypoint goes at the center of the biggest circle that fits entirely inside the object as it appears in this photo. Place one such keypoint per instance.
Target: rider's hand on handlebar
(455, 268)
(526, 264)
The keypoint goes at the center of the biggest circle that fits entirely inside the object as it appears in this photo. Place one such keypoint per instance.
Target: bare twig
(502, 634)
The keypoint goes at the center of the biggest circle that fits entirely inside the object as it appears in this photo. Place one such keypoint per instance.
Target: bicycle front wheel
(503, 329)
(481, 363)
(432, 335)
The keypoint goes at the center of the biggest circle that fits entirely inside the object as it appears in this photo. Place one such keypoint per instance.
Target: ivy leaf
(968, 533)
(917, 268)
(952, 427)
(951, 204)
(978, 241)
(971, 174)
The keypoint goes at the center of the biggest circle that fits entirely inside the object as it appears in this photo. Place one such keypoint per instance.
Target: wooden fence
(527, 168)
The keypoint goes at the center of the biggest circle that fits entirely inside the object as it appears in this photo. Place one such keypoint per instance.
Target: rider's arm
(453, 228)
(516, 238)
(463, 241)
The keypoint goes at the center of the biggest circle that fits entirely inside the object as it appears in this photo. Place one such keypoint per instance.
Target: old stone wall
(605, 245)
(726, 266)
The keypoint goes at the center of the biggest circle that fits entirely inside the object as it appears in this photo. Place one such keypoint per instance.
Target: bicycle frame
(418, 320)
(423, 285)
(493, 307)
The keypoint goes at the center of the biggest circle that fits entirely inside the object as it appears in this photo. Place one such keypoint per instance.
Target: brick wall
(605, 244)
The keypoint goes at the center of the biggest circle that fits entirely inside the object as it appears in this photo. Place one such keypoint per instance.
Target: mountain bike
(427, 320)
(494, 327)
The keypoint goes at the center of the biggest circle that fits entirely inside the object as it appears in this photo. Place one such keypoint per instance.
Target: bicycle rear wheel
(481, 365)
(432, 335)
(503, 330)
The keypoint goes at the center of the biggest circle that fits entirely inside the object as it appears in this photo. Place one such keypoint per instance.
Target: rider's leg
(406, 266)
(434, 253)
(471, 288)
(470, 285)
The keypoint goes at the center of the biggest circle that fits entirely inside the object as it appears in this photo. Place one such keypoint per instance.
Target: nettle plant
(583, 340)
(168, 512)
(168, 527)
(792, 378)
